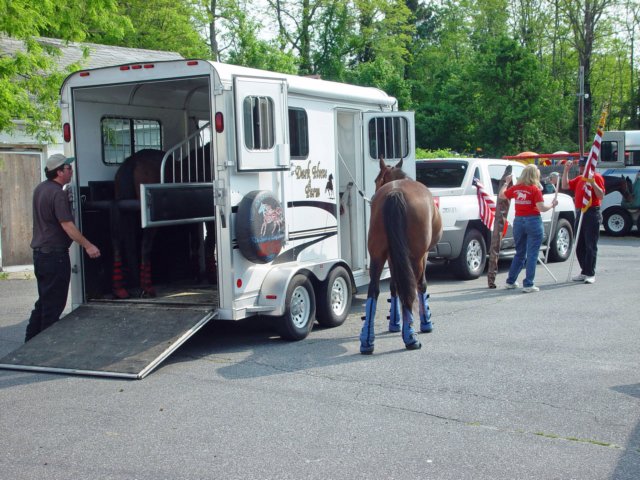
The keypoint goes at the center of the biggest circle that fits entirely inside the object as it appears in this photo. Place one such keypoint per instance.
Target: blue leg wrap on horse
(408, 333)
(394, 315)
(425, 313)
(367, 335)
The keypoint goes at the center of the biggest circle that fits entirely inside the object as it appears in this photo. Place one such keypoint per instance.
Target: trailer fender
(260, 227)
(274, 287)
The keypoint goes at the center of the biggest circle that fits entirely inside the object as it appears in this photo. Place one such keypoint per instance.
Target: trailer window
(123, 136)
(298, 134)
(388, 136)
(258, 123)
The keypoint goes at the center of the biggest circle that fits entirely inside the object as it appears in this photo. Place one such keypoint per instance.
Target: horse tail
(395, 224)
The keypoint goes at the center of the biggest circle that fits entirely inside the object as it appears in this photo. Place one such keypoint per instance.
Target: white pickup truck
(465, 238)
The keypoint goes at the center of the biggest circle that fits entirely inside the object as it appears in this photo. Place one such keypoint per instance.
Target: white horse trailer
(289, 156)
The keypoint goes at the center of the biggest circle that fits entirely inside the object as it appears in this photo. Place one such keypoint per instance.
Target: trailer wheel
(617, 221)
(562, 241)
(473, 256)
(300, 310)
(334, 298)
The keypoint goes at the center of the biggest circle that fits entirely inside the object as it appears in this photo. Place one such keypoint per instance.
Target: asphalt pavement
(508, 386)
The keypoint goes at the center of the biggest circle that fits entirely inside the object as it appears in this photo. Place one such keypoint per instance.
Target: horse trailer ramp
(110, 340)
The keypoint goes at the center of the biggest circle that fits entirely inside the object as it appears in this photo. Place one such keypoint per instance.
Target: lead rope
(368, 200)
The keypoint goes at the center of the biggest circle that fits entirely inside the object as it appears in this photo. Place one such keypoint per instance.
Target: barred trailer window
(259, 116)
(389, 137)
(123, 136)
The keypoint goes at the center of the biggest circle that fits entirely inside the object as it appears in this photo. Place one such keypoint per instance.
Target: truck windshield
(436, 174)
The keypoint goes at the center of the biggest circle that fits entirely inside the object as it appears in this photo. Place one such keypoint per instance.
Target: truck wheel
(300, 310)
(473, 256)
(617, 221)
(562, 241)
(334, 298)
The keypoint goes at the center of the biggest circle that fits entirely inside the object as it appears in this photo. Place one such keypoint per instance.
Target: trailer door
(261, 123)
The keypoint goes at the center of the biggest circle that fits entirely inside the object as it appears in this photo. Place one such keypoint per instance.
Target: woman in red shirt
(527, 226)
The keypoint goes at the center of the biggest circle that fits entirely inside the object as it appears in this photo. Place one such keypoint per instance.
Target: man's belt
(51, 249)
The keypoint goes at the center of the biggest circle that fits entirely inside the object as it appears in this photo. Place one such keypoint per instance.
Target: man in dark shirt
(53, 232)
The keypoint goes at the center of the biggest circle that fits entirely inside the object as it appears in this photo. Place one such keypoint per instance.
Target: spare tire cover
(260, 226)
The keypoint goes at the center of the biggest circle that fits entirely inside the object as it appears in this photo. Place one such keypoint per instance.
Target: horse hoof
(426, 327)
(394, 327)
(414, 346)
(120, 293)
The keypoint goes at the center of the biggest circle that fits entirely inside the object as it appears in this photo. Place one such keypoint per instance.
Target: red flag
(486, 205)
(592, 161)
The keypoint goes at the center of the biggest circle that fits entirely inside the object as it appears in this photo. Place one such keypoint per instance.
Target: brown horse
(144, 167)
(405, 224)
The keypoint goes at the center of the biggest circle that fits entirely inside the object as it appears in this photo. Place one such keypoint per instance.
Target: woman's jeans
(527, 234)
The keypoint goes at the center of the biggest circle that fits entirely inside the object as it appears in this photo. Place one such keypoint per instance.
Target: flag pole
(556, 186)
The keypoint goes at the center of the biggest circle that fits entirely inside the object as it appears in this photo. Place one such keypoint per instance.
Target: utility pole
(581, 97)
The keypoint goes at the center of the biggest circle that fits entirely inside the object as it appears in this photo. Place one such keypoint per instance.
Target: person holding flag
(527, 226)
(588, 194)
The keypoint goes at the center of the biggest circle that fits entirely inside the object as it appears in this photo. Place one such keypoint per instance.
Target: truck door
(261, 124)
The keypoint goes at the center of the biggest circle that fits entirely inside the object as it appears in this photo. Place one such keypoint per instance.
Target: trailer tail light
(271, 297)
(219, 121)
(239, 283)
(66, 132)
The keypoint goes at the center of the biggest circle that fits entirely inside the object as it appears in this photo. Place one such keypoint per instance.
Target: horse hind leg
(409, 335)
(117, 273)
(367, 334)
(423, 305)
(395, 312)
(146, 284)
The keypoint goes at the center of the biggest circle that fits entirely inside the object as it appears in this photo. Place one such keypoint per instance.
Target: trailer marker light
(125, 67)
(271, 297)
(149, 65)
(219, 121)
(66, 132)
(136, 67)
(191, 63)
(239, 283)
(84, 74)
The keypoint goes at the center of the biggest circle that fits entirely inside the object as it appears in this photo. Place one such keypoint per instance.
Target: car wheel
(562, 241)
(300, 310)
(334, 298)
(473, 256)
(617, 221)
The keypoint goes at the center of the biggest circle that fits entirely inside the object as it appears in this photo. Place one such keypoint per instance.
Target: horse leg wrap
(145, 280)
(425, 313)
(367, 335)
(409, 335)
(117, 281)
(394, 315)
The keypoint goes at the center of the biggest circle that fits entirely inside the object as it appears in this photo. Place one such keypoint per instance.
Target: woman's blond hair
(530, 176)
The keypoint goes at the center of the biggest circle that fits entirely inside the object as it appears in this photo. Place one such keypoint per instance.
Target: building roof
(99, 55)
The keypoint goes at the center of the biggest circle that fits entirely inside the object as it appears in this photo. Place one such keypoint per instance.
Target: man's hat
(58, 160)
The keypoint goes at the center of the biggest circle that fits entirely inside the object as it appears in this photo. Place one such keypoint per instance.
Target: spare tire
(260, 227)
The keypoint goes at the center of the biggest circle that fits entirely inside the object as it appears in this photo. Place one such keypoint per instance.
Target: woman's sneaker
(511, 286)
(579, 278)
(530, 289)
(590, 279)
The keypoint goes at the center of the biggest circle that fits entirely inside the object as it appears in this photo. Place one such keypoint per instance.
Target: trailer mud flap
(110, 340)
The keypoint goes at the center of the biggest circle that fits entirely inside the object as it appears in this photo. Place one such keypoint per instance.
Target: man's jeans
(527, 234)
(53, 273)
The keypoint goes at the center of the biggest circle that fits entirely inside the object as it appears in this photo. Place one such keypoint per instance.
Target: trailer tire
(617, 221)
(473, 256)
(334, 298)
(300, 309)
(561, 242)
(260, 227)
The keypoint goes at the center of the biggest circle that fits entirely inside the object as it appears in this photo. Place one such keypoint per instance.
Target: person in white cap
(53, 232)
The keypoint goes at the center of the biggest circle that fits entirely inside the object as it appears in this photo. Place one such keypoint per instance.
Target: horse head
(388, 174)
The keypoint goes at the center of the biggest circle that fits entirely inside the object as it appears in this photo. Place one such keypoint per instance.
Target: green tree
(30, 79)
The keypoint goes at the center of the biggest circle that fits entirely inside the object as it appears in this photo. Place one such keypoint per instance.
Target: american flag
(590, 167)
(486, 205)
